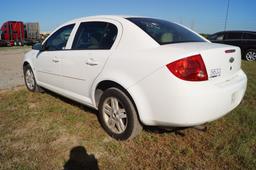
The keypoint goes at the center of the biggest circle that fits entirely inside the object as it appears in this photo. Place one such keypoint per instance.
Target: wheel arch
(25, 63)
(30, 63)
(104, 85)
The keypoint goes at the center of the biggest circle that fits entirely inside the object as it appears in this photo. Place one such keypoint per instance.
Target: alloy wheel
(250, 56)
(29, 76)
(115, 115)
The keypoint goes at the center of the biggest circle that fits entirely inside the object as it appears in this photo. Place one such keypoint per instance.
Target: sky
(203, 16)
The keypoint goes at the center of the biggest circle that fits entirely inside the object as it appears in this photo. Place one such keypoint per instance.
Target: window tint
(59, 39)
(234, 35)
(165, 32)
(250, 36)
(95, 35)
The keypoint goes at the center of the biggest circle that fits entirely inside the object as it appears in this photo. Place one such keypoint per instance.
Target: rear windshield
(165, 32)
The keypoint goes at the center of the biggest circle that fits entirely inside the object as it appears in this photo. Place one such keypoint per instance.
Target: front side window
(59, 39)
(212, 37)
(95, 35)
(165, 32)
(216, 37)
(220, 37)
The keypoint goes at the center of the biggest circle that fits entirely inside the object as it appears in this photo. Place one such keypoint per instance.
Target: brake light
(189, 68)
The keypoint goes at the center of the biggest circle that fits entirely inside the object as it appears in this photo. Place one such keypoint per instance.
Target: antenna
(226, 20)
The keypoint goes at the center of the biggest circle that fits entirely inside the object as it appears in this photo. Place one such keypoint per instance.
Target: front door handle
(91, 62)
(55, 60)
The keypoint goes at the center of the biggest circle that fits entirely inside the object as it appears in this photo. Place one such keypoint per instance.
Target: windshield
(165, 32)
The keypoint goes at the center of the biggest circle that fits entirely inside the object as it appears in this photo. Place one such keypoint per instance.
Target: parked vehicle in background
(3, 43)
(246, 40)
(32, 33)
(138, 71)
(15, 33)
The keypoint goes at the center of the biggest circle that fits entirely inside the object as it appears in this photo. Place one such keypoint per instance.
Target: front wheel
(117, 115)
(30, 80)
(250, 55)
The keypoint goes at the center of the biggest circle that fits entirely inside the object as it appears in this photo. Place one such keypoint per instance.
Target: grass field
(39, 130)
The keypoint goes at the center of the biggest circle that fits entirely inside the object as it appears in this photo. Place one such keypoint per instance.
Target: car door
(89, 52)
(233, 38)
(48, 61)
(249, 40)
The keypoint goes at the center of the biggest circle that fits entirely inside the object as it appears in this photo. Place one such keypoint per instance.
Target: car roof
(236, 31)
(113, 17)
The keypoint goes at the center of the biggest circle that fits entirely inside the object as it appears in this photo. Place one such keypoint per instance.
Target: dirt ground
(11, 74)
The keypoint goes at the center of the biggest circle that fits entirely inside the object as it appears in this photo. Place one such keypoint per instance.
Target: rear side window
(165, 32)
(250, 36)
(59, 39)
(234, 35)
(95, 35)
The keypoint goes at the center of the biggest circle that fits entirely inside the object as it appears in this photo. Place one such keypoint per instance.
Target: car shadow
(71, 102)
(180, 131)
(162, 130)
(79, 159)
(151, 129)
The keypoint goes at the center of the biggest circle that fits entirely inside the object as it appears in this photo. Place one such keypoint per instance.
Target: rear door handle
(91, 62)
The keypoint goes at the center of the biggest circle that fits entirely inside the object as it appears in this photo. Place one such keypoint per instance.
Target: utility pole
(226, 20)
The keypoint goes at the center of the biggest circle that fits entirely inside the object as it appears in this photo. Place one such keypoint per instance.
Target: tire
(250, 55)
(30, 80)
(118, 115)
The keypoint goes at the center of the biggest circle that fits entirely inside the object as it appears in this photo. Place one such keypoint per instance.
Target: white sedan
(138, 71)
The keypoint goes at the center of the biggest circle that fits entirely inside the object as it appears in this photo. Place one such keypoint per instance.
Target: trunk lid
(221, 61)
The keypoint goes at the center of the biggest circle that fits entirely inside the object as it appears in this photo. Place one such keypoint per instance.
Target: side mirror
(38, 46)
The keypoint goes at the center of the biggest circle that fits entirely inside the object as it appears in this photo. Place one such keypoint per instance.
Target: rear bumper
(163, 100)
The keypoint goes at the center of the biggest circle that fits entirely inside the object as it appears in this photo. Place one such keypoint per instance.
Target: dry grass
(38, 131)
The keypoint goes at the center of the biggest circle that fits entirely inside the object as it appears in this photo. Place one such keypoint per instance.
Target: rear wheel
(30, 80)
(117, 115)
(250, 55)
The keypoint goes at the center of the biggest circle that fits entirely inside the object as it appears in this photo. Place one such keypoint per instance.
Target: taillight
(189, 68)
